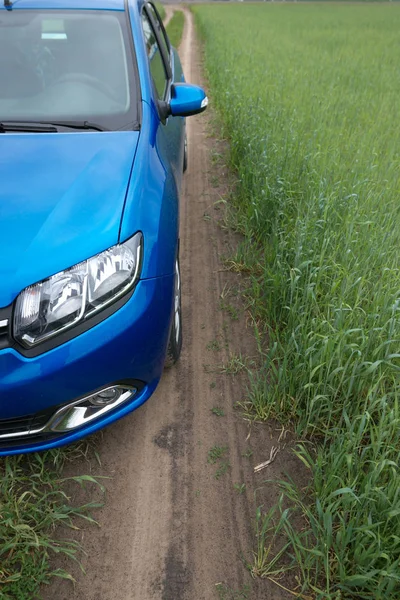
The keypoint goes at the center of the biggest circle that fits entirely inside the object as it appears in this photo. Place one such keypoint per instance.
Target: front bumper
(128, 346)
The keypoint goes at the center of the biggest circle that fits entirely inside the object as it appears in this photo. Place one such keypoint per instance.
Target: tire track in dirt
(170, 530)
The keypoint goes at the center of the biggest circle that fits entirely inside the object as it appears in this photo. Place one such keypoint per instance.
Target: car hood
(62, 197)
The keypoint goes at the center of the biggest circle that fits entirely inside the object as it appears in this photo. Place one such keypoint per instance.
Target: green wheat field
(309, 97)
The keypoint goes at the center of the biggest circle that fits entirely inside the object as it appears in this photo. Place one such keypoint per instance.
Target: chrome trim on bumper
(77, 413)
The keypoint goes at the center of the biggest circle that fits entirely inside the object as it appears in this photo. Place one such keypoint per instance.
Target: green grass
(224, 592)
(235, 364)
(247, 453)
(214, 346)
(175, 28)
(223, 468)
(215, 453)
(218, 411)
(230, 309)
(33, 502)
(308, 97)
(240, 488)
(161, 10)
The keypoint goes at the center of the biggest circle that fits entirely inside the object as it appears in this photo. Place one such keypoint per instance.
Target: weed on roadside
(235, 364)
(34, 501)
(229, 309)
(222, 469)
(214, 180)
(227, 306)
(214, 346)
(248, 453)
(224, 592)
(215, 453)
(218, 411)
(216, 157)
(240, 488)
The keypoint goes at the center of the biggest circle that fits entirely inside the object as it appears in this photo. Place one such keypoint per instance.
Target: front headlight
(56, 304)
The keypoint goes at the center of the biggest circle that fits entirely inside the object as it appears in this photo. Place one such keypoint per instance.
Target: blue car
(92, 149)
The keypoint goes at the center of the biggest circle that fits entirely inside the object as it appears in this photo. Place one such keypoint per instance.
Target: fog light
(91, 407)
(105, 397)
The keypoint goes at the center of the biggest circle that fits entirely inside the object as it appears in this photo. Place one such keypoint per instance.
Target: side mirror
(187, 100)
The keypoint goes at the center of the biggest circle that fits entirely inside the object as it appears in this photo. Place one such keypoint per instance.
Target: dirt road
(169, 11)
(174, 525)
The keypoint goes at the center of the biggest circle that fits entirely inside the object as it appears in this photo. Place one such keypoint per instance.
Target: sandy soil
(170, 529)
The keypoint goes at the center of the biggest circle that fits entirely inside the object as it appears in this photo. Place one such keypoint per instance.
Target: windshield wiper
(37, 127)
(25, 126)
(79, 125)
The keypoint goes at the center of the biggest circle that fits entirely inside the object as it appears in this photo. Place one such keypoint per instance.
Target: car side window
(157, 67)
(160, 29)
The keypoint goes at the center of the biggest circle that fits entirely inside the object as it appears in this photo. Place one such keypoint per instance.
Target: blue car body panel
(159, 161)
(95, 358)
(100, 356)
(65, 197)
(61, 211)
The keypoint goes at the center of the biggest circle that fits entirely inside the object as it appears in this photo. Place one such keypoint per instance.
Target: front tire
(175, 336)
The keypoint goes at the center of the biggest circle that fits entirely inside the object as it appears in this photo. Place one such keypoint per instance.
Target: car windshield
(72, 66)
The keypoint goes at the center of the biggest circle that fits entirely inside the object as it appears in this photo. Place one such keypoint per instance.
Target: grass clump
(223, 468)
(310, 110)
(215, 453)
(175, 28)
(218, 411)
(33, 502)
(225, 592)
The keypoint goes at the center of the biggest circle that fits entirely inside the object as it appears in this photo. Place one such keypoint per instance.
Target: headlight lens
(55, 304)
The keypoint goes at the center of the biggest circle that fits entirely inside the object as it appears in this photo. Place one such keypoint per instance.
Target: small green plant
(240, 488)
(248, 453)
(229, 309)
(224, 592)
(217, 410)
(214, 346)
(215, 453)
(222, 469)
(221, 591)
(216, 157)
(213, 385)
(214, 180)
(234, 365)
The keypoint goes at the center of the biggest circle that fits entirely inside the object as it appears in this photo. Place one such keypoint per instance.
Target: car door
(164, 69)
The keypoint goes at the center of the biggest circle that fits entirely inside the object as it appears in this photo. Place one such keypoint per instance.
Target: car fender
(152, 200)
